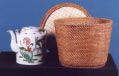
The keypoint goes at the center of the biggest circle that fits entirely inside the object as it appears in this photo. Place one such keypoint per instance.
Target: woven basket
(64, 10)
(83, 42)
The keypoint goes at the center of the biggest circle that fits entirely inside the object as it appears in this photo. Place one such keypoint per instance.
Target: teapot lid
(30, 29)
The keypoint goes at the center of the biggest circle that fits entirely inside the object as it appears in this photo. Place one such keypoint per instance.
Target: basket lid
(66, 10)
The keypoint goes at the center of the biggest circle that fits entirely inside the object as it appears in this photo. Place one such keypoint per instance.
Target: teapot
(28, 44)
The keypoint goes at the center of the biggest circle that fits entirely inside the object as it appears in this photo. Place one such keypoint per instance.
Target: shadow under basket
(83, 42)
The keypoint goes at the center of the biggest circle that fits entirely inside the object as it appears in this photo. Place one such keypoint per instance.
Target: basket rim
(58, 6)
(73, 22)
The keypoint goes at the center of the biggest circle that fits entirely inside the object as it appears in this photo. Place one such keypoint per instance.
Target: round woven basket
(65, 10)
(83, 42)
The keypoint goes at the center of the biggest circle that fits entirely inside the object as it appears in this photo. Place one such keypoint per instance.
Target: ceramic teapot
(28, 45)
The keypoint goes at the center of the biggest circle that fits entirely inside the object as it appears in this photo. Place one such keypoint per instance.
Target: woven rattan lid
(66, 10)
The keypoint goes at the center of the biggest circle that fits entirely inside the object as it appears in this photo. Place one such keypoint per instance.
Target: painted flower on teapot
(28, 44)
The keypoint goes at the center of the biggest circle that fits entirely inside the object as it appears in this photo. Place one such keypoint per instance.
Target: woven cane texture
(61, 11)
(83, 42)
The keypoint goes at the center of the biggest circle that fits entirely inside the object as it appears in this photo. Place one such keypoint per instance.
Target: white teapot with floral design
(28, 45)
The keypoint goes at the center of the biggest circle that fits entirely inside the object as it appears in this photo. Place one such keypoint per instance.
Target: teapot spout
(13, 44)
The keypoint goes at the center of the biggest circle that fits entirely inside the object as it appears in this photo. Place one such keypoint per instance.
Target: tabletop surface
(52, 66)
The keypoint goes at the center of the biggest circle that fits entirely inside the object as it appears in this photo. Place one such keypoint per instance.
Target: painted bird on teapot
(28, 45)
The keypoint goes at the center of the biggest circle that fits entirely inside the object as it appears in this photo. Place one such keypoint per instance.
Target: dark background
(18, 13)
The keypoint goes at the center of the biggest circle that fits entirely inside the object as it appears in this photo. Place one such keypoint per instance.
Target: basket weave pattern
(83, 42)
